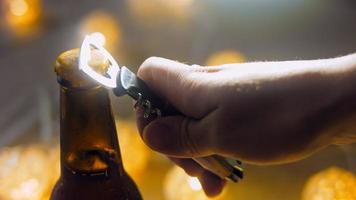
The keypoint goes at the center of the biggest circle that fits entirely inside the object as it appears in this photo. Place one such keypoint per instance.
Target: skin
(260, 113)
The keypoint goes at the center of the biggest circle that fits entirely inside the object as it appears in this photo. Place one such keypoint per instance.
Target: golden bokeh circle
(333, 183)
(225, 57)
(105, 23)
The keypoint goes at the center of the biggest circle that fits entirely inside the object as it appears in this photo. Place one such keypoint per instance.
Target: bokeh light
(179, 186)
(194, 183)
(28, 172)
(103, 22)
(23, 16)
(157, 11)
(331, 184)
(18, 7)
(225, 57)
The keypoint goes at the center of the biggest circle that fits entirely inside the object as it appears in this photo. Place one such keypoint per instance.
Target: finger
(211, 184)
(190, 167)
(178, 136)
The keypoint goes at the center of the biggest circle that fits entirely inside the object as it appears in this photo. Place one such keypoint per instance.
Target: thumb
(179, 84)
(178, 136)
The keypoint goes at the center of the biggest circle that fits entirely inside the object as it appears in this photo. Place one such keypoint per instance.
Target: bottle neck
(88, 137)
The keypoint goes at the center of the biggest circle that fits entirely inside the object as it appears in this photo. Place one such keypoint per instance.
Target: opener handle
(129, 83)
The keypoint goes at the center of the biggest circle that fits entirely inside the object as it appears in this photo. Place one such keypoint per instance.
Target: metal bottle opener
(123, 82)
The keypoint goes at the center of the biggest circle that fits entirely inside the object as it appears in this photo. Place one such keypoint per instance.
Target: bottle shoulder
(76, 186)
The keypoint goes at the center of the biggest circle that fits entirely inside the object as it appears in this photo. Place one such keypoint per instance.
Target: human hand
(262, 113)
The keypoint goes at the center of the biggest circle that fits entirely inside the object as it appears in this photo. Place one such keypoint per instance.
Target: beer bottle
(91, 164)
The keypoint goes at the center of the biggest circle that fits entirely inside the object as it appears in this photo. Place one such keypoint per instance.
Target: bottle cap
(68, 73)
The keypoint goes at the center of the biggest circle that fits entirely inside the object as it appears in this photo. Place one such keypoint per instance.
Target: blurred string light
(18, 7)
(22, 17)
(330, 184)
(156, 11)
(179, 186)
(27, 173)
(225, 57)
(103, 22)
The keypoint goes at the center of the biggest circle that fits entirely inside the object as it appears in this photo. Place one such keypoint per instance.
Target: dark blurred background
(206, 32)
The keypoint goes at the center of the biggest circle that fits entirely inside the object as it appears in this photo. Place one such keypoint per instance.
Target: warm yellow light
(225, 57)
(156, 11)
(25, 190)
(18, 7)
(103, 22)
(331, 184)
(22, 16)
(179, 186)
(27, 173)
(194, 183)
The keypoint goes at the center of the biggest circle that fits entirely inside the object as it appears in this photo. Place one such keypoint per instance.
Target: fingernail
(157, 136)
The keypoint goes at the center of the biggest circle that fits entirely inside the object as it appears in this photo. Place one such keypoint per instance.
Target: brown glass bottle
(91, 164)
